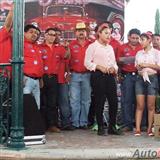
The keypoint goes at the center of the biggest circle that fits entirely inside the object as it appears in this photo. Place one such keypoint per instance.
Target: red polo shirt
(33, 64)
(62, 69)
(77, 56)
(52, 58)
(126, 50)
(5, 46)
(115, 44)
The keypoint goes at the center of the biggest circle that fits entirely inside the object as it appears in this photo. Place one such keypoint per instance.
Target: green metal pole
(17, 131)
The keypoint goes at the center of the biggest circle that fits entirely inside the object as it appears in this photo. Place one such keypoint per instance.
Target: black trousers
(49, 94)
(92, 112)
(104, 86)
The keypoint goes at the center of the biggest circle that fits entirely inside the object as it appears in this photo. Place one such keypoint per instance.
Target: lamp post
(17, 131)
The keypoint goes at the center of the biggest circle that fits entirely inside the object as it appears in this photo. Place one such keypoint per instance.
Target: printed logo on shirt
(46, 68)
(33, 51)
(76, 60)
(76, 46)
(76, 51)
(45, 57)
(57, 56)
(35, 62)
(127, 54)
(44, 51)
(126, 50)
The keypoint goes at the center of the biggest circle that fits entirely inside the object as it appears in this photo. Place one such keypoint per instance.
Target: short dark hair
(52, 29)
(156, 34)
(29, 26)
(57, 29)
(134, 31)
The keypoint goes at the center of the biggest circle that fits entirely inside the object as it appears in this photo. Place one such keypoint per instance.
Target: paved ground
(85, 144)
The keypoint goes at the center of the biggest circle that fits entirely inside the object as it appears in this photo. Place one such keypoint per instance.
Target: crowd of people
(72, 80)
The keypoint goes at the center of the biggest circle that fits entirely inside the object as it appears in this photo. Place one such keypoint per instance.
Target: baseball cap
(29, 26)
(81, 25)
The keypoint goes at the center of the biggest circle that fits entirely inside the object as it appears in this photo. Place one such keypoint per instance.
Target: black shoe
(114, 131)
(101, 131)
(74, 127)
(69, 128)
(83, 127)
(90, 124)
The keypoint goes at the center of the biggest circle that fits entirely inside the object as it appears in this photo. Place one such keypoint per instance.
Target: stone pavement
(85, 144)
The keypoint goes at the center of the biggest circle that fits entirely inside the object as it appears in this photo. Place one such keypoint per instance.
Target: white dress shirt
(98, 54)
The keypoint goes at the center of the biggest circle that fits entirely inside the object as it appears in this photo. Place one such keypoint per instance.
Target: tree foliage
(157, 22)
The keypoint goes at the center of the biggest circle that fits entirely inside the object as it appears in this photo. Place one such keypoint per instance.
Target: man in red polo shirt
(125, 57)
(5, 40)
(53, 54)
(80, 88)
(63, 85)
(33, 64)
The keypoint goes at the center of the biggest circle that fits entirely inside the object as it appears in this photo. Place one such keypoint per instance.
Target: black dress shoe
(74, 127)
(114, 131)
(83, 127)
(101, 131)
(69, 128)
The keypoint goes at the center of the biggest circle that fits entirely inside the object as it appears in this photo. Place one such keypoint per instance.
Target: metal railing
(5, 105)
(16, 130)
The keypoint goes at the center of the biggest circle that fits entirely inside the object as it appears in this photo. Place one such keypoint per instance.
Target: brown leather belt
(50, 75)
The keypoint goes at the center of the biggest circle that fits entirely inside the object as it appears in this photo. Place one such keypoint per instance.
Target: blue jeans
(80, 98)
(31, 86)
(64, 105)
(146, 88)
(128, 100)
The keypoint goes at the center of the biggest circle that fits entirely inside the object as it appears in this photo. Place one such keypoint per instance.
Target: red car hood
(64, 23)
